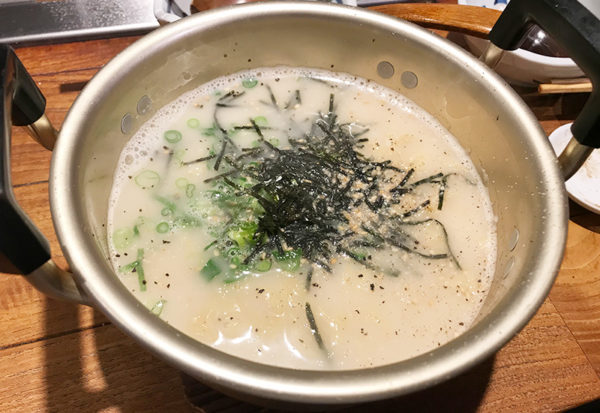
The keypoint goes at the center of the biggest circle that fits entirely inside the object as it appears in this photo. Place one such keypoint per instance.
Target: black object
(23, 248)
(576, 30)
(589, 407)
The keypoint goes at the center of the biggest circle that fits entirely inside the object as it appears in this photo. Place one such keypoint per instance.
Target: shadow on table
(463, 394)
(583, 217)
(99, 368)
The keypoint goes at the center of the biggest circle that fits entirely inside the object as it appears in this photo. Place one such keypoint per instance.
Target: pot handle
(23, 248)
(577, 30)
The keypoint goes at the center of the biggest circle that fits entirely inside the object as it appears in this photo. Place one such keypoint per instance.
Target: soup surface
(302, 218)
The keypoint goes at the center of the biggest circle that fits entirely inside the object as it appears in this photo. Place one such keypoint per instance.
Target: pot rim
(284, 384)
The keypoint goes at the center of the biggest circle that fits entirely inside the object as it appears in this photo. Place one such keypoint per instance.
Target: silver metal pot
(503, 138)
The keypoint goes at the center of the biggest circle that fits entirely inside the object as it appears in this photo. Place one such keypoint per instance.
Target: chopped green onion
(181, 183)
(162, 227)
(173, 136)
(210, 245)
(122, 238)
(236, 275)
(243, 235)
(189, 190)
(249, 83)
(263, 265)
(128, 267)
(358, 256)
(193, 123)
(209, 131)
(274, 141)
(210, 270)
(158, 307)
(169, 205)
(136, 266)
(185, 221)
(290, 260)
(260, 121)
(166, 211)
(147, 179)
(140, 269)
(179, 154)
(233, 252)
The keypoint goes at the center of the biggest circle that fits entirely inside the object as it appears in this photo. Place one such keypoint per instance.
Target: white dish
(584, 186)
(521, 66)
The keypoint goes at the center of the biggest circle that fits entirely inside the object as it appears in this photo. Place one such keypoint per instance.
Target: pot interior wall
(457, 94)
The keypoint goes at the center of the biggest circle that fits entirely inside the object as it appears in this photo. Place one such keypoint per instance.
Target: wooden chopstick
(551, 88)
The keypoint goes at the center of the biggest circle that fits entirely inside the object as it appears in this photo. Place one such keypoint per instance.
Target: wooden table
(57, 356)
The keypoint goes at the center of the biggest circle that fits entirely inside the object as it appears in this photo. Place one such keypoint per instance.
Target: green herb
(210, 270)
(181, 183)
(193, 123)
(186, 221)
(136, 266)
(169, 205)
(122, 238)
(189, 190)
(140, 269)
(162, 228)
(209, 131)
(260, 121)
(243, 234)
(234, 276)
(212, 244)
(289, 260)
(147, 179)
(158, 307)
(249, 83)
(263, 265)
(173, 136)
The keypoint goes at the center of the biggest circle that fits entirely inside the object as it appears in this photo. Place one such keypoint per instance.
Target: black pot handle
(574, 28)
(23, 248)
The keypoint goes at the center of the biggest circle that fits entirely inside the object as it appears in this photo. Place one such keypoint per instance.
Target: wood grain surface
(472, 20)
(59, 357)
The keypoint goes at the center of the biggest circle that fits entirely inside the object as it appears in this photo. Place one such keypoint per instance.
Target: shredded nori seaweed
(313, 328)
(309, 190)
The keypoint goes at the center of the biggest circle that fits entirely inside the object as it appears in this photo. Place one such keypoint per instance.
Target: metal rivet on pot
(385, 69)
(127, 123)
(509, 265)
(144, 105)
(514, 238)
(409, 80)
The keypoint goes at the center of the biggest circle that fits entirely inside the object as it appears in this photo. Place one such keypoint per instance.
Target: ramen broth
(302, 218)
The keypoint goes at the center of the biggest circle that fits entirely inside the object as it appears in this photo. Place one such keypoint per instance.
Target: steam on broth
(302, 218)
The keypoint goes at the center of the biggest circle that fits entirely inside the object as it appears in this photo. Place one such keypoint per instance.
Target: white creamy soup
(303, 218)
